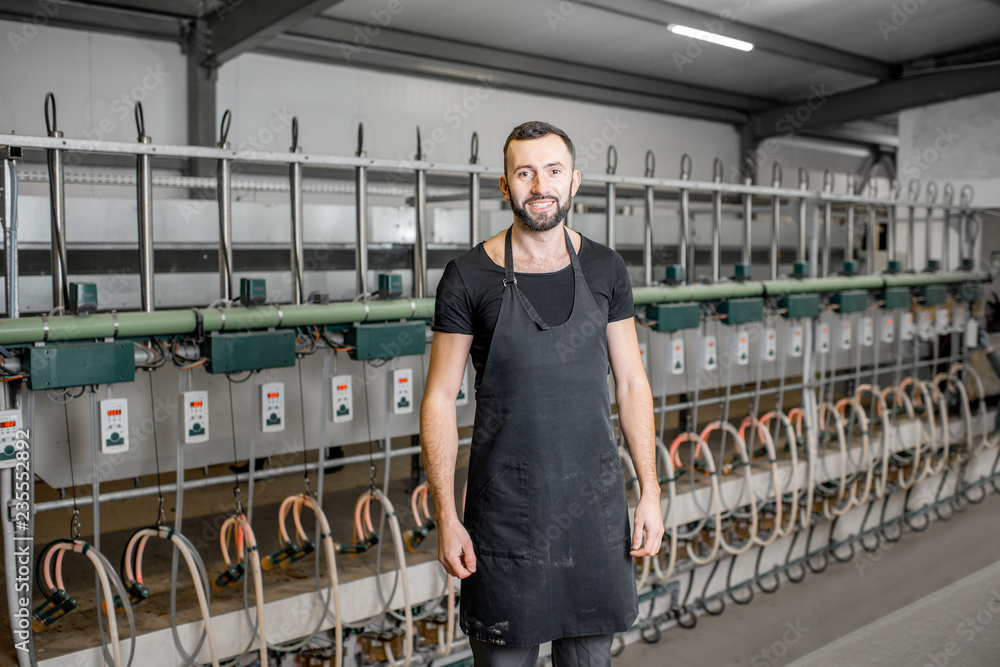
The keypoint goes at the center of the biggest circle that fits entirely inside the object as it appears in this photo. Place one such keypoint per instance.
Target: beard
(547, 220)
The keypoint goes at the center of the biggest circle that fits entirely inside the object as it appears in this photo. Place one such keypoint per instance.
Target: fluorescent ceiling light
(709, 37)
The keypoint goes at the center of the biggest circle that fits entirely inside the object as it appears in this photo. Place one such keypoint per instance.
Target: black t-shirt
(470, 291)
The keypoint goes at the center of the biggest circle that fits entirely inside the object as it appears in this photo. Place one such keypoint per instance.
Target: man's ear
(577, 178)
(504, 189)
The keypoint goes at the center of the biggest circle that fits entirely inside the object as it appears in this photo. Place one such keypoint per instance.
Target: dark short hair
(536, 129)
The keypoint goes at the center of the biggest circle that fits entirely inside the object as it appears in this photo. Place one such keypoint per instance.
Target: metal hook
(949, 194)
(227, 119)
(966, 195)
(295, 134)
(717, 170)
(371, 476)
(74, 524)
(894, 189)
(803, 178)
(749, 168)
(612, 160)
(239, 501)
(140, 121)
(827, 180)
(50, 122)
(777, 174)
(474, 149)
(685, 167)
(420, 150)
(650, 161)
(361, 140)
(913, 191)
(932, 193)
(161, 514)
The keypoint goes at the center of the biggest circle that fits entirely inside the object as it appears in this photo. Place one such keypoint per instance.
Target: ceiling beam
(725, 23)
(96, 18)
(352, 41)
(821, 108)
(239, 27)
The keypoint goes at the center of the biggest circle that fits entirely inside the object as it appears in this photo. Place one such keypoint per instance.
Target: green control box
(57, 366)
(851, 301)
(390, 285)
(82, 298)
(386, 340)
(896, 298)
(933, 295)
(675, 316)
(741, 311)
(253, 291)
(798, 306)
(249, 350)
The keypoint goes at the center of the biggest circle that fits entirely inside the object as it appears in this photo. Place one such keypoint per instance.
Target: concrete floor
(931, 599)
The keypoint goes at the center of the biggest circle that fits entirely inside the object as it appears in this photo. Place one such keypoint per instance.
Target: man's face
(540, 181)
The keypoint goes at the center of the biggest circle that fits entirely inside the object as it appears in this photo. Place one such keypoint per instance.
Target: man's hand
(648, 519)
(455, 549)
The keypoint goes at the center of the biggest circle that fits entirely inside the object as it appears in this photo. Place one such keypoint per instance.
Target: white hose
(839, 509)
(199, 588)
(747, 480)
(400, 550)
(904, 398)
(861, 418)
(716, 504)
(630, 469)
(793, 479)
(670, 520)
(887, 421)
(765, 435)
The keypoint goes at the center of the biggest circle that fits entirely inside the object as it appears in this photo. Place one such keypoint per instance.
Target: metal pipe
(800, 254)
(716, 223)
(775, 218)
(892, 220)
(827, 221)
(949, 200)
(747, 216)
(849, 248)
(361, 219)
(420, 241)
(612, 205)
(144, 208)
(8, 193)
(913, 194)
(57, 208)
(872, 228)
(474, 194)
(224, 196)
(932, 193)
(647, 231)
(965, 199)
(295, 190)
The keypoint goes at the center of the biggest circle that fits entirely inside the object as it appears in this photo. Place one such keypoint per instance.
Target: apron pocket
(497, 519)
(615, 503)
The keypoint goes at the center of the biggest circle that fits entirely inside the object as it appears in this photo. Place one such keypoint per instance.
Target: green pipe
(65, 328)
(670, 294)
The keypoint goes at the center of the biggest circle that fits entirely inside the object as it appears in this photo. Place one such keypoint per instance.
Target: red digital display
(273, 394)
(114, 413)
(10, 424)
(341, 387)
(402, 380)
(196, 404)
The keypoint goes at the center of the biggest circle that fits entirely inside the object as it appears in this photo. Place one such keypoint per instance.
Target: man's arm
(635, 414)
(439, 442)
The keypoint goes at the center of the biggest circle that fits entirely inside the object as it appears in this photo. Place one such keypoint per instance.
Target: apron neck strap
(508, 260)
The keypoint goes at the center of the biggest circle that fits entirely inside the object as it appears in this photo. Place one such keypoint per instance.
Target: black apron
(546, 506)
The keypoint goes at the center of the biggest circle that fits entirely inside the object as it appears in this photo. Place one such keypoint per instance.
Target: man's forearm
(635, 415)
(439, 443)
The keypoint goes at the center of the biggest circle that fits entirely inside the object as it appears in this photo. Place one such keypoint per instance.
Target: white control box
(402, 391)
(769, 345)
(845, 336)
(272, 407)
(942, 321)
(114, 425)
(463, 390)
(741, 348)
(643, 348)
(709, 353)
(888, 328)
(972, 333)
(343, 398)
(796, 341)
(959, 317)
(195, 413)
(822, 337)
(926, 328)
(675, 356)
(10, 434)
(867, 331)
(906, 327)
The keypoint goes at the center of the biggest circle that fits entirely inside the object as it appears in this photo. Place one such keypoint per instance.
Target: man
(545, 552)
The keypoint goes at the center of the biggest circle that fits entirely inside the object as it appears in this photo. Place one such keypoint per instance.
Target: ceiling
(834, 69)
